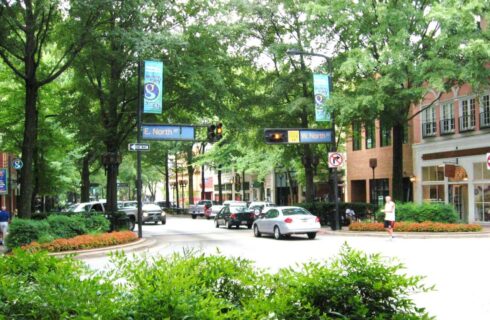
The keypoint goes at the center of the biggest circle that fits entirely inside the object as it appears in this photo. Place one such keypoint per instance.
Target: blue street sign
(315, 136)
(3, 181)
(321, 88)
(168, 132)
(17, 164)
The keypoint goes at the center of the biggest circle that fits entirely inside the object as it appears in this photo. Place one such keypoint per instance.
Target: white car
(234, 203)
(285, 221)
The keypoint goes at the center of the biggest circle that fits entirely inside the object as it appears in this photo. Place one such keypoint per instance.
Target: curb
(127, 247)
(409, 235)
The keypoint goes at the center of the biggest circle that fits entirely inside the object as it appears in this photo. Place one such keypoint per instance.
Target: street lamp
(296, 52)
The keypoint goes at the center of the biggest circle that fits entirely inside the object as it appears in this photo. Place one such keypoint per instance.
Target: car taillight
(317, 219)
(288, 220)
(233, 216)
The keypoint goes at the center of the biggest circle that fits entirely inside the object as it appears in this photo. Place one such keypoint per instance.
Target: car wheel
(257, 232)
(277, 233)
(228, 225)
(216, 223)
(156, 222)
(164, 221)
(131, 224)
(311, 235)
(194, 216)
(208, 217)
(249, 226)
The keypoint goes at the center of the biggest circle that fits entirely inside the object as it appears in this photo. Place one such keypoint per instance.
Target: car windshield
(294, 211)
(238, 209)
(73, 207)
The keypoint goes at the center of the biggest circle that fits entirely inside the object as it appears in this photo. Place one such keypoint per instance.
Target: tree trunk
(220, 191)
(85, 183)
(111, 197)
(290, 183)
(167, 182)
(190, 174)
(309, 174)
(28, 146)
(397, 181)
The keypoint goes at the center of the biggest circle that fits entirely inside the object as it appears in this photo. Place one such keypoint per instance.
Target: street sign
(153, 87)
(294, 136)
(122, 185)
(488, 161)
(321, 88)
(168, 132)
(335, 159)
(17, 164)
(3, 181)
(138, 147)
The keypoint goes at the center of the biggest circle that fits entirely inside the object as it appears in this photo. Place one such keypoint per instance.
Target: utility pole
(138, 157)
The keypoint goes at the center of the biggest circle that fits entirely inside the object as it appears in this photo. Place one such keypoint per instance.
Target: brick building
(8, 179)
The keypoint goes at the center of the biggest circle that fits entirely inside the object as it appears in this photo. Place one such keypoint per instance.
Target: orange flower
(426, 226)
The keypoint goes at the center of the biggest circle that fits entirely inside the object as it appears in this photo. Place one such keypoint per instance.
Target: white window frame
(447, 117)
(467, 109)
(485, 110)
(429, 127)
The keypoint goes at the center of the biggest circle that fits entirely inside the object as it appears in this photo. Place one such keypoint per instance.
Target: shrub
(427, 226)
(325, 210)
(436, 212)
(66, 227)
(83, 242)
(24, 231)
(96, 223)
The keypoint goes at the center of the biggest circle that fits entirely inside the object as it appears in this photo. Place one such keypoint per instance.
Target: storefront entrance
(458, 197)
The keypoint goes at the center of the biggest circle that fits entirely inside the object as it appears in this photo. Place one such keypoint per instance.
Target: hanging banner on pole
(321, 88)
(153, 87)
(3, 181)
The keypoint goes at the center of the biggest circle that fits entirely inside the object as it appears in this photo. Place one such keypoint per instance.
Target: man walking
(4, 223)
(389, 211)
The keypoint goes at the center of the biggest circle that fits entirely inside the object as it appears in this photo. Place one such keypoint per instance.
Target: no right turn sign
(488, 161)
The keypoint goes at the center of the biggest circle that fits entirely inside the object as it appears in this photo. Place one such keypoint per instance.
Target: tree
(27, 36)
(389, 53)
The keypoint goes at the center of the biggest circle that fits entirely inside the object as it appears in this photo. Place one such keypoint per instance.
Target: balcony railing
(429, 129)
(467, 123)
(485, 119)
(447, 126)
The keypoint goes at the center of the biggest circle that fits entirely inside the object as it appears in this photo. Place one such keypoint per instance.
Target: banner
(153, 87)
(3, 181)
(321, 88)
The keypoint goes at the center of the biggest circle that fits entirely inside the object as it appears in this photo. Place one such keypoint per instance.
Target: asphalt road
(457, 267)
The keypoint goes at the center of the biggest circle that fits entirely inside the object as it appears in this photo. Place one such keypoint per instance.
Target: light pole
(296, 52)
(183, 184)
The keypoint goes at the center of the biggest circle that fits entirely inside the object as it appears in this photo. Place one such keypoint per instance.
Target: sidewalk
(485, 233)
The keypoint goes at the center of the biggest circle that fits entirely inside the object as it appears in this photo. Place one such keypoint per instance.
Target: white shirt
(390, 211)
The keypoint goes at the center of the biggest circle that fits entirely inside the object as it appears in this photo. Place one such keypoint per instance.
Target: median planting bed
(426, 226)
(87, 241)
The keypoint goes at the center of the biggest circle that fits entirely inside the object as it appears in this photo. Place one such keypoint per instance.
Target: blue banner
(168, 132)
(315, 136)
(3, 181)
(321, 88)
(153, 87)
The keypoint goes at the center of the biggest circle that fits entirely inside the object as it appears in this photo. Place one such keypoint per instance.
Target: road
(457, 267)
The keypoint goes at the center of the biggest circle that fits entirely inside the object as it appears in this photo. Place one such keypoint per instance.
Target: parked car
(260, 207)
(234, 203)
(151, 212)
(163, 205)
(213, 211)
(200, 208)
(285, 221)
(237, 216)
(100, 207)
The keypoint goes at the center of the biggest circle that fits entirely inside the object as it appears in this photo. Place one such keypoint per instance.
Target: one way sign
(335, 159)
(138, 147)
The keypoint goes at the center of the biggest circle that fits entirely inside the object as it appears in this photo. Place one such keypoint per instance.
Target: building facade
(452, 137)
(8, 182)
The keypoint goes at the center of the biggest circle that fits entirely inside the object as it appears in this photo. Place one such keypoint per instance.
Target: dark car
(234, 216)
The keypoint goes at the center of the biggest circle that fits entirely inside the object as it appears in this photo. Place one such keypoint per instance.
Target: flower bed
(85, 241)
(426, 226)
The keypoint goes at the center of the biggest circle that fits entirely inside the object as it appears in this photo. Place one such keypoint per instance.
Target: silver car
(285, 221)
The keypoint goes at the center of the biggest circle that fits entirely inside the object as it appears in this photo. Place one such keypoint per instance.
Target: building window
(356, 136)
(429, 122)
(447, 118)
(485, 112)
(433, 193)
(370, 129)
(467, 111)
(432, 173)
(378, 190)
(385, 134)
(480, 171)
(482, 202)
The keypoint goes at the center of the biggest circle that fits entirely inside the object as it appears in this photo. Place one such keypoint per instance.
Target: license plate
(243, 222)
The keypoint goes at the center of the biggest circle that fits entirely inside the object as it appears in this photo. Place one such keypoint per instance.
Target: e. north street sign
(138, 147)
(168, 132)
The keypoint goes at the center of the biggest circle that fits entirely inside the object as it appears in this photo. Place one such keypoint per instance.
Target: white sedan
(285, 221)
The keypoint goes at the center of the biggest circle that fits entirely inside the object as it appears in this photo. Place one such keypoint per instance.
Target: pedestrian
(389, 211)
(4, 223)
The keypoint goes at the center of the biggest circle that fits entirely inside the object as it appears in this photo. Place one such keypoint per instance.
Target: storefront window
(482, 202)
(432, 173)
(480, 171)
(434, 193)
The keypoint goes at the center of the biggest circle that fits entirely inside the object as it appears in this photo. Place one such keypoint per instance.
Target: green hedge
(415, 212)
(352, 286)
(326, 210)
(24, 231)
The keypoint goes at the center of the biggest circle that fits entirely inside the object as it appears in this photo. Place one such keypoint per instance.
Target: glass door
(458, 197)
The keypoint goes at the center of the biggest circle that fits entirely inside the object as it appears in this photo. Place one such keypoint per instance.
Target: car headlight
(145, 214)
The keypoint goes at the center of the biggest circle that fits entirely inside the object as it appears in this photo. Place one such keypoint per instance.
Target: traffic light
(274, 136)
(219, 131)
(211, 133)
